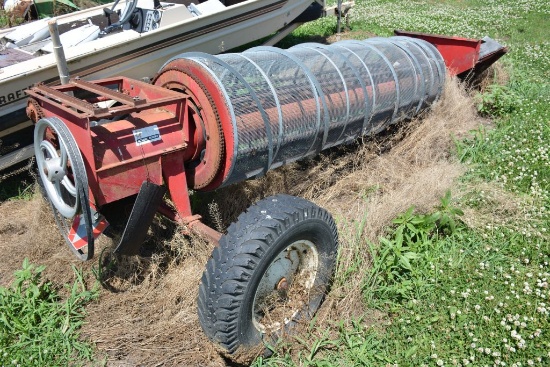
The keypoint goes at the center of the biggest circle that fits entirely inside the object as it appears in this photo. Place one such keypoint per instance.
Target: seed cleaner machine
(206, 122)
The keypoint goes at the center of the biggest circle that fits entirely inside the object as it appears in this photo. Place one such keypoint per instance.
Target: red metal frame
(219, 158)
(116, 164)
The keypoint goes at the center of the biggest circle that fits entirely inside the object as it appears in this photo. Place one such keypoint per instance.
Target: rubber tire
(233, 273)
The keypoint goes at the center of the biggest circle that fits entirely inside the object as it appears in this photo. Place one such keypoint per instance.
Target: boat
(133, 38)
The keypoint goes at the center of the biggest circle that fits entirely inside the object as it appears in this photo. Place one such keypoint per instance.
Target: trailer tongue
(207, 122)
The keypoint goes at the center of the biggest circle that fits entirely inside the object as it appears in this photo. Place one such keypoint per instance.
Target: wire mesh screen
(300, 104)
(255, 143)
(344, 92)
(433, 57)
(288, 104)
(384, 88)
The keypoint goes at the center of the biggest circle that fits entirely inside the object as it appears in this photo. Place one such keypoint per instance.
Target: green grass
(19, 186)
(40, 328)
(6, 20)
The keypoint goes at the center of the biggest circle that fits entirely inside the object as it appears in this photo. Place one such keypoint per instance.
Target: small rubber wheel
(272, 268)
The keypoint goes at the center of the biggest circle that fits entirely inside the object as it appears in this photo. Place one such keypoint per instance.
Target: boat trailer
(206, 122)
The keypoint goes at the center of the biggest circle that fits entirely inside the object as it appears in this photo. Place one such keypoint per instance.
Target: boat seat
(125, 16)
(74, 37)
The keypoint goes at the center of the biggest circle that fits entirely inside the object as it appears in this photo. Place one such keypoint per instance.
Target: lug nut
(282, 285)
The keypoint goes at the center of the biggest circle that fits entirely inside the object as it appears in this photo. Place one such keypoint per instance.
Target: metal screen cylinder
(288, 104)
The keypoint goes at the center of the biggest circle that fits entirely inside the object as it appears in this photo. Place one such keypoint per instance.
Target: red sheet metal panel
(460, 54)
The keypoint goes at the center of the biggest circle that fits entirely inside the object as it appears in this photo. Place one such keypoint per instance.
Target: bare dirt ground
(146, 313)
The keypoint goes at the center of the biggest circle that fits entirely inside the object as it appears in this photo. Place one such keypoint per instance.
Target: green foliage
(399, 261)
(483, 302)
(9, 20)
(3, 18)
(516, 154)
(497, 100)
(37, 327)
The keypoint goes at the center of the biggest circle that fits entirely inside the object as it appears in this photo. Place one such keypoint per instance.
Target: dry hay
(28, 230)
(146, 314)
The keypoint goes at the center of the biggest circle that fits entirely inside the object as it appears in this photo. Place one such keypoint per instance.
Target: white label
(146, 135)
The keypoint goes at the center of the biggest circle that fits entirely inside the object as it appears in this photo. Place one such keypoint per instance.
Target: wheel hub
(53, 169)
(285, 286)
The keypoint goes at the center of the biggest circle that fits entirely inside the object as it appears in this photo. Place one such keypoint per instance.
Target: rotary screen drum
(283, 105)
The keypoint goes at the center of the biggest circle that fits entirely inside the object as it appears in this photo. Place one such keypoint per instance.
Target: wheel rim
(54, 167)
(285, 287)
(64, 180)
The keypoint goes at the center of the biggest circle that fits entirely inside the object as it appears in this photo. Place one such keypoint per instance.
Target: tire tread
(240, 251)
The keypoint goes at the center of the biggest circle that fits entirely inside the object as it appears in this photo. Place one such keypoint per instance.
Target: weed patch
(37, 327)
(399, 262)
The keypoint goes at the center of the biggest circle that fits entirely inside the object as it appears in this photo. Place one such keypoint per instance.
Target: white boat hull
(138, 55)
